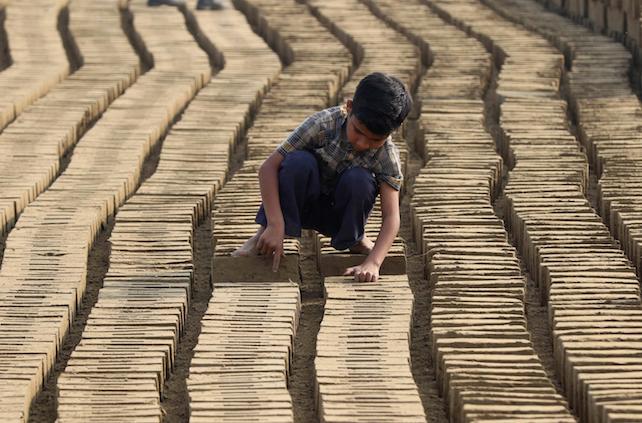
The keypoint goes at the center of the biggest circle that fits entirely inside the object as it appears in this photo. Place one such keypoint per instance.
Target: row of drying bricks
(44, 270)
(125, 218)
(485, 363)
(579, 268)
(50, 103)
(130, 341)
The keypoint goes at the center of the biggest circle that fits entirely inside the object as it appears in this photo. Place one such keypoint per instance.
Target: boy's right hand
(271, 243)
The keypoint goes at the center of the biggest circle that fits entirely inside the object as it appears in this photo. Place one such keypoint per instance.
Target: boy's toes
(362, 247)
(245, 251)
(240, 253)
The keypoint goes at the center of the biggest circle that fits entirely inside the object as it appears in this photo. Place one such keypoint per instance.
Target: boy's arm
(271, 241)
(368, 271)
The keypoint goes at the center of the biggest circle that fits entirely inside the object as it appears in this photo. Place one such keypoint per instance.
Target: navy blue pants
(341, 215)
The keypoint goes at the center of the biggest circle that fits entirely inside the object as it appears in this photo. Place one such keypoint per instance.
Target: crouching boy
(327, 175)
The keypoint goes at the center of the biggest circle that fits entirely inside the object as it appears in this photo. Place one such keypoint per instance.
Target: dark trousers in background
(341, 215)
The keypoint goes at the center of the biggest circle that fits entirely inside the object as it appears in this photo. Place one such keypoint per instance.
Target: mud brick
(226, 268)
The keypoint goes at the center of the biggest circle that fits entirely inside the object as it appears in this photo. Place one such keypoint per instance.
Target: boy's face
(359, 135)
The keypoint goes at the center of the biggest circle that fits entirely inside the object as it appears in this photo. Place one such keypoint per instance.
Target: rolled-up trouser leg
(299, 190)
(354, 198)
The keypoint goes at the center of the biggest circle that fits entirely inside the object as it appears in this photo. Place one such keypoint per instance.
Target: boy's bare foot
(362, 247)
(249, 247)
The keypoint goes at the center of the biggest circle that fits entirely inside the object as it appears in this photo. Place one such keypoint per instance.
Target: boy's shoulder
(388, 157)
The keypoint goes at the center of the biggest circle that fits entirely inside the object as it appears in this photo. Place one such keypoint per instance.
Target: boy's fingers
(349, 271)
(276, 260)
(266, 250)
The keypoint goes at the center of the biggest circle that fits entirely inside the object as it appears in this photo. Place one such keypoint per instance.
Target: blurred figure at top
(200, 5)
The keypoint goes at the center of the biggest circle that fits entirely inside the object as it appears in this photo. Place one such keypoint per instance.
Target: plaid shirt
(324, 134)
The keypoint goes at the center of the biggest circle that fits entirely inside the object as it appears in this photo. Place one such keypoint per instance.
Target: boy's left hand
(365, 272)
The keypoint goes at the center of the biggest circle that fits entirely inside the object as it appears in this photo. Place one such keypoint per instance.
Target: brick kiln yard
(130, 138)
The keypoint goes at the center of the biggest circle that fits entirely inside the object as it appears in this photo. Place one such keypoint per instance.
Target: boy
(327, 174)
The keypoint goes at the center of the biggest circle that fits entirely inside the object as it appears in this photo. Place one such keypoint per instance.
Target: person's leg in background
(200, 4)
(175, 3)
(209, 5)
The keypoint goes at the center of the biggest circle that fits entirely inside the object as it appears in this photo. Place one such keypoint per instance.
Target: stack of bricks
(485, 364)
(37, 55)
(377, 48)
(619, 19)
(593, 292)
(252, 317)
(45, 260)
(241, 364)
(32, 147)
(363, 352)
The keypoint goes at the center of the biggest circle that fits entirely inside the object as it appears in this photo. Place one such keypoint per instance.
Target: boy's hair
(381, 102)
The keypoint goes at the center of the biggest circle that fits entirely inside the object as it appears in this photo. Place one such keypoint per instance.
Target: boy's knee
(299, 163)
(358, 182)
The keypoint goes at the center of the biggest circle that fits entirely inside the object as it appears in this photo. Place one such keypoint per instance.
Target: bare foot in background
(362, 247)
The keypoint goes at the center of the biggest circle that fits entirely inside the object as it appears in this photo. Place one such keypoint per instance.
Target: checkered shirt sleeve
(388, 168)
